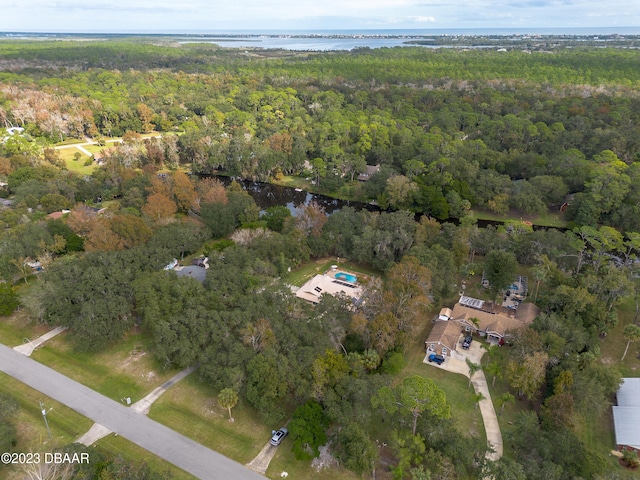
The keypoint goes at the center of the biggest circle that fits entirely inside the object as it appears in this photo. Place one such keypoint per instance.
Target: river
(268, 195)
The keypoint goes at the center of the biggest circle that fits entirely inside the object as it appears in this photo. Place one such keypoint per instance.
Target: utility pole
(44, 415)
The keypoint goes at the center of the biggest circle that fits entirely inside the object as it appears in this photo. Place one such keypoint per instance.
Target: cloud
(421, 19)
(159, 15)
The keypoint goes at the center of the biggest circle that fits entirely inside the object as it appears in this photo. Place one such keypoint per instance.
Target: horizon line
(320, 31)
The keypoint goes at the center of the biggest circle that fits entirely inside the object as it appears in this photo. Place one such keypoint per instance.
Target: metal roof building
(626, 415)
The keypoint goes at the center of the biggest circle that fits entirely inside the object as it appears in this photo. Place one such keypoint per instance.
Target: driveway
(28, 348)
(456, 363)
(262, 460)
(158, 439)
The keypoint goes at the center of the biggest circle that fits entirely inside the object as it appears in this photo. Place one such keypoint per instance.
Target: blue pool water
(346, 277)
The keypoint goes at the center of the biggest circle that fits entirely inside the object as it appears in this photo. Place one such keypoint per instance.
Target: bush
(308, 430)
(8, 434)
(393, 364)
(631, 459)
(8, 299)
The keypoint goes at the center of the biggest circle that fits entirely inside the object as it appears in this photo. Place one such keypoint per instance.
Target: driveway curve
(153, 436)
(456, 363)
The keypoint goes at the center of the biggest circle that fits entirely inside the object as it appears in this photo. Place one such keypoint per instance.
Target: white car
(278, 436)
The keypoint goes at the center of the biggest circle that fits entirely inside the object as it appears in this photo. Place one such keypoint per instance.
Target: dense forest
(451, 131)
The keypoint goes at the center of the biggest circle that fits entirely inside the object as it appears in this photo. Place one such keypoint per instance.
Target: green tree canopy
(500, 269)
(414, 396)
(308, 429)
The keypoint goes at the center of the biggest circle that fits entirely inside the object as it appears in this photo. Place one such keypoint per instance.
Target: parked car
(435, 358)
(467, 342)
(278, 436)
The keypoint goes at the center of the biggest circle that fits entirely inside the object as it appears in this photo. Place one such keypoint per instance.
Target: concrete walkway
(143, 406)
(84, 150)
(28, 348)
(167, 444)
(456, 363)
(97, 431)
(491, 425)
(262, 460)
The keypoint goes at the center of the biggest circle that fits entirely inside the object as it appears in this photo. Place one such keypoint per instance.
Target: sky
(173, 16)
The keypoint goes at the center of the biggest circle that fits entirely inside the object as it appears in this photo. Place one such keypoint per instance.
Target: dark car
(439, 359)
(467, 342)
(278, 436)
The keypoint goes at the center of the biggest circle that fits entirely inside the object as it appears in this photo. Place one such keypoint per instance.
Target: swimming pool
(347, 277)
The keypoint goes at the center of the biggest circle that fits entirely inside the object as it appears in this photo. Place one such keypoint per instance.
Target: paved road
(158, 439)
(97, 431)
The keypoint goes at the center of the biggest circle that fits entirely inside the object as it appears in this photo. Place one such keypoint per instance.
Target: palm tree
(491, 351)
(506, 397)
(478, 397)
(476, 322)
(227, 398)
(473, 368)
(494, 369)
(631, 334)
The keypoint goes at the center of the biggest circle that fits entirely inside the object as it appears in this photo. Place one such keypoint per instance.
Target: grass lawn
(293, 182)
(547, 219)
(115, 446)
(127, 369)
(613, 345)
(507, 414)
(302, 274)
(67, 154)
(65, 424)
(191, 408)
(599, 433)
(285, 461)
(69, 141)
(465, 416)
(18, 327)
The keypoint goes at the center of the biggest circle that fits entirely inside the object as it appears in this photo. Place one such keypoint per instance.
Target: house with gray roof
(626, 416)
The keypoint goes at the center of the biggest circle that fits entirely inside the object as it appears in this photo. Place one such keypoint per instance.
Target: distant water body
(325, 40)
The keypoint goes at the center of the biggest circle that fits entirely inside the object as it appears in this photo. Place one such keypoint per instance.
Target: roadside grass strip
(191, 408)
(126, 370)
(115, 445)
